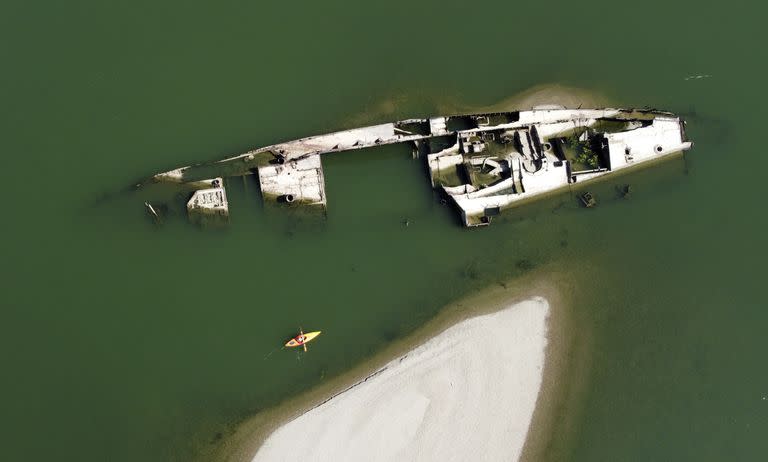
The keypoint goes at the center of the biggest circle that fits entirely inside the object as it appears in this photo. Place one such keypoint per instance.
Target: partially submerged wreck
(484, 163)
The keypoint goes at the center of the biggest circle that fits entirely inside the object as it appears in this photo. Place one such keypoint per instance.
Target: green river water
(124, 342)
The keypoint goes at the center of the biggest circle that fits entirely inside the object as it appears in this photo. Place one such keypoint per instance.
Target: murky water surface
(125, 342)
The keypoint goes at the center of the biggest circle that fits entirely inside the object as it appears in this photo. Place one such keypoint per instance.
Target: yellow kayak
(302, 339)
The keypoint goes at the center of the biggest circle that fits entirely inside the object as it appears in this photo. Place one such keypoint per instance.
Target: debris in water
(588, 200)
(697, 77)
(626, 191)
(152, 212)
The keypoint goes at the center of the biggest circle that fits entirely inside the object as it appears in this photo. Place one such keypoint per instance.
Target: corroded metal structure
(484, 163)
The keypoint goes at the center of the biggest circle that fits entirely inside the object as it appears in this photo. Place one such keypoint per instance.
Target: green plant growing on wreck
(584, 153)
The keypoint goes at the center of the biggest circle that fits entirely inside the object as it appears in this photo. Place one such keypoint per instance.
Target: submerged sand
(397, 106)
(467, 394)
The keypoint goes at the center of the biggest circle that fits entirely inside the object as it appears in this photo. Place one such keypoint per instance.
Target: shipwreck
(482, 163)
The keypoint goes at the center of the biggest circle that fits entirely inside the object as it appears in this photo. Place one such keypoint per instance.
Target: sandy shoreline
(473, 386)
(556, 409)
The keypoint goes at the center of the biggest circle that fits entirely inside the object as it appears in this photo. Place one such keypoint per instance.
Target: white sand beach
(467, 394)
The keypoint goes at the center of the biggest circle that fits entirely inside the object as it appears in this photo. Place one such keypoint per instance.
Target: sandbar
(468, 393)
